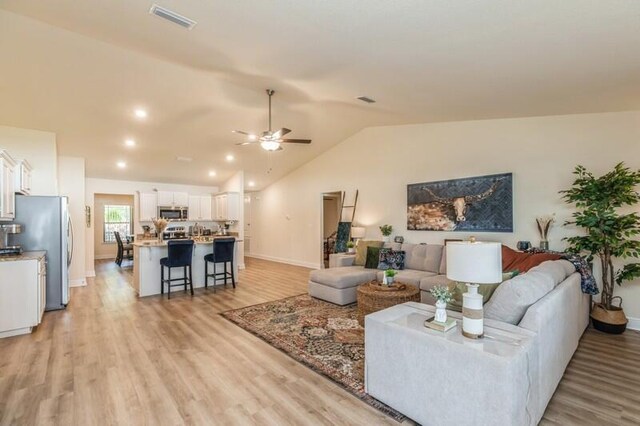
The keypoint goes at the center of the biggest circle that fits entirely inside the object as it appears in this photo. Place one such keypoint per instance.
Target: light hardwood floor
(112, 358)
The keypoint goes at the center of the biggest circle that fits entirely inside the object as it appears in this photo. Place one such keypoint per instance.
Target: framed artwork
(474, 204)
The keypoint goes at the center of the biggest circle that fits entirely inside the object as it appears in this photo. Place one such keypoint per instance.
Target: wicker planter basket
(612, 320)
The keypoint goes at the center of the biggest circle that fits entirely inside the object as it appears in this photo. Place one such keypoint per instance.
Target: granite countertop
(27, 255)
(156, 243)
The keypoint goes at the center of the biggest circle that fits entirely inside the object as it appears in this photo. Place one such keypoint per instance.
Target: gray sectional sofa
(425, 267)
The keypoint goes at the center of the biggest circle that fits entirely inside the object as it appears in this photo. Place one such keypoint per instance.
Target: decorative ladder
(344, 227)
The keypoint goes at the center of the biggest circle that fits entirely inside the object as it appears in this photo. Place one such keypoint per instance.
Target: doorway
(331, 205)
(113, 213)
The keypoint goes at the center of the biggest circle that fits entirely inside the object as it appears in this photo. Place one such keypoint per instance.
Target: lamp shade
(474, 262)
(357, 232)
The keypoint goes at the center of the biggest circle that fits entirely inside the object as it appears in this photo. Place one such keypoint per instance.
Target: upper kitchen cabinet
(200, 207)
(148, 206)
(7, 187)
(173, 199)
(23, 177)
(227, 206)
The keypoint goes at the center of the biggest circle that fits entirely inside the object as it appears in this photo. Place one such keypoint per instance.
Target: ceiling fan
(270, 140)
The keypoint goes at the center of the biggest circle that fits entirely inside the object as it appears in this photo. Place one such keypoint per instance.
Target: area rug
(323, 336)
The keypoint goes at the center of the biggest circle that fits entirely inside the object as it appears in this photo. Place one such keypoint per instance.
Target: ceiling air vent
(172, 16)
(366, 99)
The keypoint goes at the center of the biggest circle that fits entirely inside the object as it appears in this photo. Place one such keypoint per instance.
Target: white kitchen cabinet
(200, 207)
(22, 293)
(227, 206)
(148, 206)
(173, 199)
(7, 187)
(23, 177)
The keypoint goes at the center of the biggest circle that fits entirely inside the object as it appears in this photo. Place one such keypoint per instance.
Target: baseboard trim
(78, 283)
(90, 274)
(310, 265)
(105, 257)
(633, 324)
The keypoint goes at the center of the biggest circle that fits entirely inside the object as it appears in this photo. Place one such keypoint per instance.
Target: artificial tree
(610, 234)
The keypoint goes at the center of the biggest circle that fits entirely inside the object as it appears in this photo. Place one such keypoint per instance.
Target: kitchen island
(146, 265)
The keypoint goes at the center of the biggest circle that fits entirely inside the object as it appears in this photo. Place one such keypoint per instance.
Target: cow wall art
(475, 204)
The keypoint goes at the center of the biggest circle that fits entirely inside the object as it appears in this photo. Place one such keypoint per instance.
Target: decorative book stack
(440, 326)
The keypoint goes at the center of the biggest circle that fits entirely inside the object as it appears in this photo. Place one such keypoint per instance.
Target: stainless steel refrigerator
(46, 225)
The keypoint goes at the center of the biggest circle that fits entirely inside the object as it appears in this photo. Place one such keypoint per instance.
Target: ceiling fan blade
(306, 141)
(247, 143)
(280, 133)
(242, 132)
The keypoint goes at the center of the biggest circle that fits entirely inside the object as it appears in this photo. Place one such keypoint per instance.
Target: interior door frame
(322, 194)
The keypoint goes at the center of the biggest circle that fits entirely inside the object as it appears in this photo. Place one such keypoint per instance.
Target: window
(116, 218)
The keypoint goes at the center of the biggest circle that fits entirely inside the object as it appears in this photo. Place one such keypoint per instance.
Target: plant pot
(351, 250)
(612, 321)
(441, 311)
(389, 280)
(386, 239)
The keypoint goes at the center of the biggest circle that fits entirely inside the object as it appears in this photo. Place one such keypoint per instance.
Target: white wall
(541, 152)
(108, 186)
(39, 149)
(236, 184)
(71, 183)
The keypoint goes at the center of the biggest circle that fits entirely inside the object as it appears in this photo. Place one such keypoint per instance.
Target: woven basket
(613, 316)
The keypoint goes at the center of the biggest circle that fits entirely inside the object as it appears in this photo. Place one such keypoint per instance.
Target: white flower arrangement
(441, 293)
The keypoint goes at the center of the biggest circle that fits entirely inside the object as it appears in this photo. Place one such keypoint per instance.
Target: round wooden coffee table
(373, 297)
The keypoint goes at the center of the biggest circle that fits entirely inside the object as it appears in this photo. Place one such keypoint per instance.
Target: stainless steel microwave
(173, 213)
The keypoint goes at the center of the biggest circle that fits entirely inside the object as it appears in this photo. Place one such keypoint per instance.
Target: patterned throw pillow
(373, 257)
(391, 259)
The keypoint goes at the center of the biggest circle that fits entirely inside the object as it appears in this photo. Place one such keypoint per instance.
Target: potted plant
(386, 232)
(443, 296)
(609, 234)
(389, 275)
(351, 248)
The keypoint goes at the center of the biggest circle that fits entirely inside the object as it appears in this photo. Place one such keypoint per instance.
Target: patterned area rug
(321, 335)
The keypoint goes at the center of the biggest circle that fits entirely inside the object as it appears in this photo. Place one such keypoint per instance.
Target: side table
(373, 298)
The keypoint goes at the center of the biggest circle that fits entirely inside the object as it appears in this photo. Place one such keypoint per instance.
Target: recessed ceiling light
(212, 173)
(121, 164)
(230, 157)
(140, 113)
(252, 183)
(130, 142)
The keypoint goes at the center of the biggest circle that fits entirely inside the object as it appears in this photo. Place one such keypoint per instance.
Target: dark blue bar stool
(180, 254)
(222, 253)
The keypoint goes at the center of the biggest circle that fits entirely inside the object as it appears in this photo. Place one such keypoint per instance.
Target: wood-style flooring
(112, 358)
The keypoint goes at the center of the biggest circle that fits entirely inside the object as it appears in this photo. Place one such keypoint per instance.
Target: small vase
(351, 250)
(386, 239)
(544, 245)
(388, 280)
(441, 311)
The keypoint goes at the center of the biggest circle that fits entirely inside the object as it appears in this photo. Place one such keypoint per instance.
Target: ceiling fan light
(270, 145)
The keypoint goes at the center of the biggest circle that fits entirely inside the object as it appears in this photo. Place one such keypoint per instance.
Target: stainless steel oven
(173, 213)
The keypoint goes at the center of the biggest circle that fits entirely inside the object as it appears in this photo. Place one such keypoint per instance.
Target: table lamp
(473, 263)
(357, 232)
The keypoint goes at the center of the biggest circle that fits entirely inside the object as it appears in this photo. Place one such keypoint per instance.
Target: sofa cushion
(428, 283)
(373, 257)
(513, 297)
(344, 277)
(361, 251)
(486, 290)
(423, 257)
(408, 276)
(443, 262)
(517, 261)
(391, 259)
(559, 270)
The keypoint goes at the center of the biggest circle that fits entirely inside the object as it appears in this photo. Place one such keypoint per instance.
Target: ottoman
(339, 285)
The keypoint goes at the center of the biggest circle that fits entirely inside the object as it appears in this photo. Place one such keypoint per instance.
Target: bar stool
(222, 253)
(180, 254)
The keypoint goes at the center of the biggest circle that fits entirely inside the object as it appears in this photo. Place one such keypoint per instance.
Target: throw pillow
(513, 297)
(391, 259)
(486, 290)
(361, 251)
(373, 256)
(517, 261)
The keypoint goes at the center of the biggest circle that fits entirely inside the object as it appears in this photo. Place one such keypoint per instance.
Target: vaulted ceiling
(80, 68)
